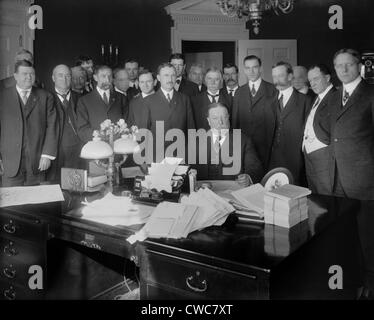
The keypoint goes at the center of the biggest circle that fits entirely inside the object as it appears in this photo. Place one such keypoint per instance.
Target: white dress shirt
(221, 137)
(60, 94)
(286, 95)
(171, 92)
(101, 93)
(310, 141)
(213, 94)
(257, 84)
(134, 84)
(176, 86)
(232, 89)
(350, 87)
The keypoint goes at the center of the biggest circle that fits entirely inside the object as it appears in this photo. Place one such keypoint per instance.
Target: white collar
(323, 94)
(215, 136)
(147, 94)
(257, 83)
(101, 92)
(19, 90)
(213, 94)
(120, 91)
(286, 94)
(229, 89)
(171, 92)
(60, 94)
(350, 87)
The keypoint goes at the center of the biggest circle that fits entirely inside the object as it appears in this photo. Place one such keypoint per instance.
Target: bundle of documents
(286, 206)
(176, 220)
(249, 202)
(116, 210)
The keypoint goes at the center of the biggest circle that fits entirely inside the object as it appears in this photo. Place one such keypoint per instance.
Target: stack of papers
(199, 210)
(116, 210)
(250, 201)
(286, 206)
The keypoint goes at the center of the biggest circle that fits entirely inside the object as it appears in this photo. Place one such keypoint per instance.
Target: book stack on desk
(286, 206)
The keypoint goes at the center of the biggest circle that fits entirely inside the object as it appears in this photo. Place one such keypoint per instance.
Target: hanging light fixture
(254, 9)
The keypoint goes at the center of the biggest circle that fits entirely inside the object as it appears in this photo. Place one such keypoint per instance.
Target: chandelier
(254, 9)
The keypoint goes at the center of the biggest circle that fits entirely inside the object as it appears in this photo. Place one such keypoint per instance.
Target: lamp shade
(96, 150)
(126, 145)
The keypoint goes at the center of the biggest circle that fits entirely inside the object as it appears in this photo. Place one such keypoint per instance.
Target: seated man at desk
(222, 153)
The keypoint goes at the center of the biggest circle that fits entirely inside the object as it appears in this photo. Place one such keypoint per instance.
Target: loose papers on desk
(116, 210)
(176, 220)
(14, 196)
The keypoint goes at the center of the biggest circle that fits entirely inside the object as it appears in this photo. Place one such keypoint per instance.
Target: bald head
(61, 76)
(300, 77)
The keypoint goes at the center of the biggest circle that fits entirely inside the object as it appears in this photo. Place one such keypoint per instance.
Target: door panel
(9, 37)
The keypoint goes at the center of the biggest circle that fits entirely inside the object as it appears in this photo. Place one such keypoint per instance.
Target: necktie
(280, 100)
(231, 92)
(213, 97)
(168, 97)
(105, 98)
(253, 90)
(65, 101)
(24, 96)
(217, 145)
(345, 97)
(315, 104)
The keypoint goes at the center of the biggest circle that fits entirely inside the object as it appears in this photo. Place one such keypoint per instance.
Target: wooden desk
(235, 261)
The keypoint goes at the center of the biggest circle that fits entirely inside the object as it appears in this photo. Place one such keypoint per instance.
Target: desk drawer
(203, 281)
(17, 292)
(17, 252)
(27, 229)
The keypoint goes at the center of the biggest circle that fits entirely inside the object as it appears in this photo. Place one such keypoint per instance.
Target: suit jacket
(200, 105)
(288, 135)
(254, 116)
(175, 115)
(188, 87)
(92, 111)
(132, 92)
(203, 88)
(137, 112)
(249, 162)
(41, 128)
(317, 162)
(352, 141)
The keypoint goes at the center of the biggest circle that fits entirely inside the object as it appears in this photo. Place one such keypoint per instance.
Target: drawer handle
(10, 294)
(193, 288)
(9, 250)
(9, 272)
(9, 227)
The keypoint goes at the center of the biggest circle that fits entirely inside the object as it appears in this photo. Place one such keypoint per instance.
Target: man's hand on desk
(44, 163)
(244, 180)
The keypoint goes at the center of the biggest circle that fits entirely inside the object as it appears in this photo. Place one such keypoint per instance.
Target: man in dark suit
(230, 77)
(121, 82)
(100, 104)
(300, 81)
(137, 108)
(251, 110)
(352, 131)
(167, 108)
(316, 142)
(291, 109)
(227, 149)
(132, 68)
(78, 80)
(28, 130)
(182, 85)
(69, 144)
(196, 75)
(213, 80)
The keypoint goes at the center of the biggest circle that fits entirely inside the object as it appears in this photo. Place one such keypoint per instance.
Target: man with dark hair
(28, 130)
(100, 104)
(316, 141)
(69, 144)
(231, 78)
(132, 68)
(291, 109)
(251, 108)
(222, 144)
(196, 75)
(182, 85)
(78, 80)
(87, 64)
(167, 106)
(213, 80)
(121, 80)
(147, 82)
(300, 81)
